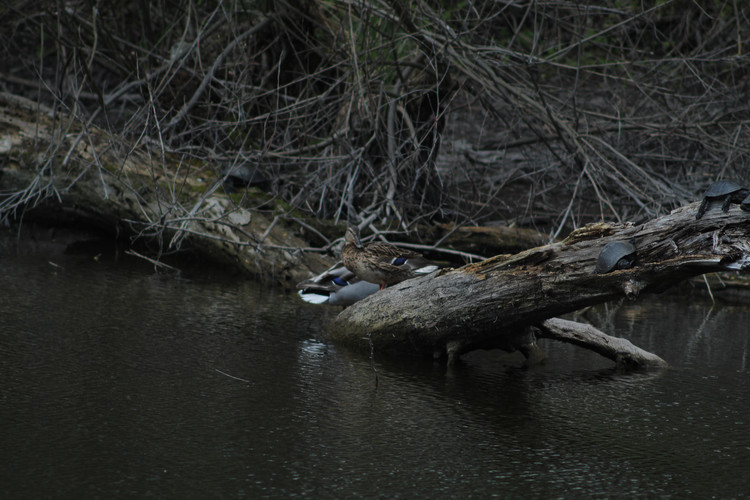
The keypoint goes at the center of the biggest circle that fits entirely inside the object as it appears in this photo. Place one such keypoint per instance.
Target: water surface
(119, 381)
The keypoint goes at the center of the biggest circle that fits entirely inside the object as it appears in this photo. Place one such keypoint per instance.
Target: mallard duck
(382, 263)
(337, 286)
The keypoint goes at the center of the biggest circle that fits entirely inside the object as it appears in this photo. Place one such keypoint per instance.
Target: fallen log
(67, 170)
(491, 304)
(86, 172)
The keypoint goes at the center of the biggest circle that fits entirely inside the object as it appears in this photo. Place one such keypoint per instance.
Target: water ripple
(118, 382)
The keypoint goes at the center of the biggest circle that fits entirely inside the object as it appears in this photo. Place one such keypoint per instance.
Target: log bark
(491, 303)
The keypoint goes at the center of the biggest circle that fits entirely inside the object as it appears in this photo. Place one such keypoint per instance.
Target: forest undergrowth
(393, 114)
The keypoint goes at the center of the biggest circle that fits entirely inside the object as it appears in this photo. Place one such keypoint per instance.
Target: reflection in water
(118, 381)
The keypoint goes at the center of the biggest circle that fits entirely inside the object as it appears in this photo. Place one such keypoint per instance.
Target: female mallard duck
(337, 286)
(382, 263)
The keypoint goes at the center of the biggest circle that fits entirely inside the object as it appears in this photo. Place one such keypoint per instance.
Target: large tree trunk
(492, 303)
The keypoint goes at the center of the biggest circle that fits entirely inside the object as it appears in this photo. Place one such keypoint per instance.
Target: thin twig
(156, 263)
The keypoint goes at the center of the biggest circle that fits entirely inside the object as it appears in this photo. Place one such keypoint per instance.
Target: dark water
(120, 382)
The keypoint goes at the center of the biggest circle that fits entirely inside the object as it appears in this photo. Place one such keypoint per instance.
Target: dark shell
(244, 176)
(721, 188)
(745, 205)
(728, 191)
(615, 255)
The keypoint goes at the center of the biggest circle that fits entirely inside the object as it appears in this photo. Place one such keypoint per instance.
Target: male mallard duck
(382, 263)
(337, 286)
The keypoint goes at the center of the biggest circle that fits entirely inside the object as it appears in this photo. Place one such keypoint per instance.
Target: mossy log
(493, 303)
(76, 171)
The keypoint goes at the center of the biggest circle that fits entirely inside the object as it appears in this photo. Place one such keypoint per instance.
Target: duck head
(351, 237)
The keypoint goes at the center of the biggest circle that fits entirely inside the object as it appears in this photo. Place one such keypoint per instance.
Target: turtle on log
(615, 255)
(244, 176)
(727, 191)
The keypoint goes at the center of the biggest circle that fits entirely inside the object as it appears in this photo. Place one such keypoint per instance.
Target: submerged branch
(619, 350)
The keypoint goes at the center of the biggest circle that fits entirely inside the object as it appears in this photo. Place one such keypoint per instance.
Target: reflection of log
(487, 304)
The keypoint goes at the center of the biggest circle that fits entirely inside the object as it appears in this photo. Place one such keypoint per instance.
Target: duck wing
(387, 252)
(335, 276)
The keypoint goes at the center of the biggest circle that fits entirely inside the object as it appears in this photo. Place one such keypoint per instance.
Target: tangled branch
(545, 113)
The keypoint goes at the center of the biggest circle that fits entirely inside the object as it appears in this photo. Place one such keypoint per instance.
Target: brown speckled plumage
(374, 262)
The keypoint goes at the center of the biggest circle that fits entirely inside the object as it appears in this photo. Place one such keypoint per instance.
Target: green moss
(111, 168)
